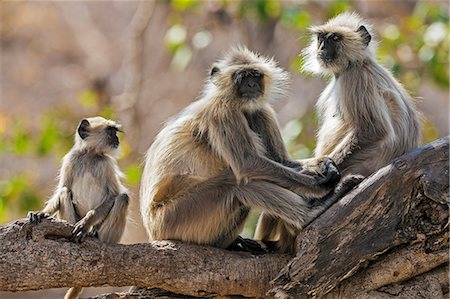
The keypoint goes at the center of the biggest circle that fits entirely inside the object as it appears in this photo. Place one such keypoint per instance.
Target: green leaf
(133, 174)
(49, 137)
(88, 99)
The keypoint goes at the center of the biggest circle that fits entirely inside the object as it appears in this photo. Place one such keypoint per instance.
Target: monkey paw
(330, 175)
(248, 245)
(36, 217)
(79, 232)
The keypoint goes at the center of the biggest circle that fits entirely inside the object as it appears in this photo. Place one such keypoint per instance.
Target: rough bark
(403, 203)
(37, 257)
(394, 225)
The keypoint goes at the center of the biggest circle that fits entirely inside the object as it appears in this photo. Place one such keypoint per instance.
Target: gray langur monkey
(366, 117)
(223, 155)
(90, 193)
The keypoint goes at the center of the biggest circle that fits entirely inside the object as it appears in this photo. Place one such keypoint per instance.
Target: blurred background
(142, 62)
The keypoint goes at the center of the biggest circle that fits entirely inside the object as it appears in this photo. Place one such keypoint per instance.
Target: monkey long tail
(73, 293)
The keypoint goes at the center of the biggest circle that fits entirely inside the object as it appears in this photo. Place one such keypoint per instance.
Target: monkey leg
(276, 201)
(66, 208)
(111, 230)
(266, 228)
(93, 217)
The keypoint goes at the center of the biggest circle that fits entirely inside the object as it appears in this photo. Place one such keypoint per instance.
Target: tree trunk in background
(387, 238)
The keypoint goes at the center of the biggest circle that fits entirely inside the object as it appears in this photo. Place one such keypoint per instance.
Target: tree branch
(403, 203)
(399, 214)
(37, 257)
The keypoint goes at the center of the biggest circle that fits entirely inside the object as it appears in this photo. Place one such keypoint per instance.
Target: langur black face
(99, 133)
(328, 45)
(337, 48)
(249, 83)
(111, 133)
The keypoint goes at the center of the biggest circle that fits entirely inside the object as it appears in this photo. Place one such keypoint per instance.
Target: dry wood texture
(36, 257)
(403, 203)
(393, 225)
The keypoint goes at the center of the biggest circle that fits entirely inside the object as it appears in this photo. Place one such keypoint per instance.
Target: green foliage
(415, 47)
(133, 174)
(17, 195)
(183, 5)
(263, 10)
(299, 136)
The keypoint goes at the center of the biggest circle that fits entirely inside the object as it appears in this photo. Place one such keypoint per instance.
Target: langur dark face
(328, 46)
(99, 133)
(249, 84)
(111, 133)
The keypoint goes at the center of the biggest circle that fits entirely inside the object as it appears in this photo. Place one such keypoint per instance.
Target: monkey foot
(248, 245)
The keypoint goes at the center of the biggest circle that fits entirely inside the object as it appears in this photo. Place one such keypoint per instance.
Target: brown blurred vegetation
(141, 62)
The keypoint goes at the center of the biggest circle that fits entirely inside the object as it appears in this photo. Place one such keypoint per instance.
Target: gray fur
(366, 117)
(90, 193)
(222, 156)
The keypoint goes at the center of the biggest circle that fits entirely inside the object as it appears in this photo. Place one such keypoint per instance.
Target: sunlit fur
(366, 117)
(199, 179)
(90, 192)
(97, 141)
(351, 52)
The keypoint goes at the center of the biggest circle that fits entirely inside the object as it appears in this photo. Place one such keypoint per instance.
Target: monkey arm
(52, 206)
(233, 141)
(93, 217)
(265, 124)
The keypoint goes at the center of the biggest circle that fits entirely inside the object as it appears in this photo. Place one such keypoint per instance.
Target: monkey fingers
(329, 175)
(79, 232)
(36, 217)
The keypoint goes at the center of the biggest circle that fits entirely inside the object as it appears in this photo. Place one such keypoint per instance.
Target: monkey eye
(336, 37)
(112, 130)
(214, 70)
(320, 36)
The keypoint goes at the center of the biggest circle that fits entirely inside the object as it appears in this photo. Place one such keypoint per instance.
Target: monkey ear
(214, 70)
(365, 35)
(83, 129)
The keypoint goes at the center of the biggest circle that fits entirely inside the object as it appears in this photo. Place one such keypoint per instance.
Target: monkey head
(98, 134)
(246, 79)
(338, 44)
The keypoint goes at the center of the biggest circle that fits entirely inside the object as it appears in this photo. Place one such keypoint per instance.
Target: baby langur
(366, 117)
(90, 193)
(224, 155)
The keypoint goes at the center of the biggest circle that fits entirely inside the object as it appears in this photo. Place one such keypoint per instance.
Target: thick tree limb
(394, 224)
(34, 257)
(402, 203)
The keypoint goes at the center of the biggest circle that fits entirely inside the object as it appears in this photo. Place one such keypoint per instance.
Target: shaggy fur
(366, 116)
(89, 193)
(223, 155)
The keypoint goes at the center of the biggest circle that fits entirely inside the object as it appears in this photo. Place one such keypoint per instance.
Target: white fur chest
(330, 117)
(87, 193)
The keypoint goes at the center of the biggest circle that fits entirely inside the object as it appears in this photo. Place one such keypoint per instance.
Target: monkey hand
(80, 231)
(36, 217)
(328, 175)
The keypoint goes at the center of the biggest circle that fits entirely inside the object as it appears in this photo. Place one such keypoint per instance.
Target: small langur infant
(224, 155)
(366, 117)
(90, 193)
